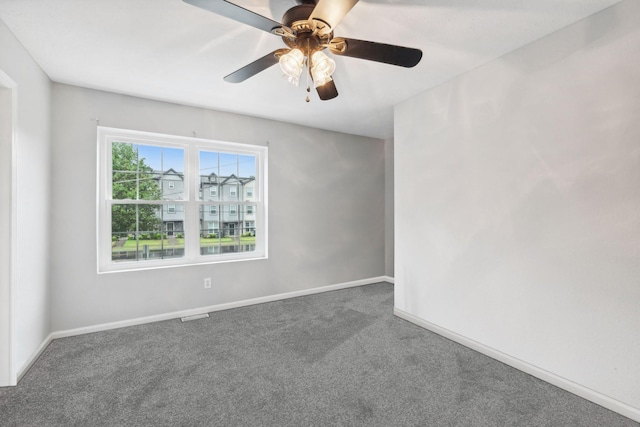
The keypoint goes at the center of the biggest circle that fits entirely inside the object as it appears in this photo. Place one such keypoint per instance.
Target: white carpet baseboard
(563, 383)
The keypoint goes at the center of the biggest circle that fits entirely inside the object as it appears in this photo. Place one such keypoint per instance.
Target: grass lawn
(130, 245)
(226, 241)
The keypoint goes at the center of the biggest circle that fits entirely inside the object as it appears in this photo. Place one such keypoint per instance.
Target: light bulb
(291, 63)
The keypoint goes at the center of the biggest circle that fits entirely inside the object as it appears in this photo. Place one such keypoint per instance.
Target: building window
(233, 191)
(249, 191)
(249, 210)
(133, 225)
(213, 191)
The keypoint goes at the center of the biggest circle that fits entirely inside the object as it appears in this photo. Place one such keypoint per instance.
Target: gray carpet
(338, 358)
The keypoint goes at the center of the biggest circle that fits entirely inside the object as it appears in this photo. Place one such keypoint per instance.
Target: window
(249, 210)
(142, 226)
(213, 191)
(233, 191)
(249, 191)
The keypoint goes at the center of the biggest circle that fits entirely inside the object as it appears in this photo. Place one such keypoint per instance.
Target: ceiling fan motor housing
(297, 18)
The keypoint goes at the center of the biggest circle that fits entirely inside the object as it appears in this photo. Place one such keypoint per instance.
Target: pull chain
(308, 70)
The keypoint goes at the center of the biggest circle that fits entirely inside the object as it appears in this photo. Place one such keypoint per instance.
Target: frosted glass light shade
(292, 62)
(322, 63)
(322, 68)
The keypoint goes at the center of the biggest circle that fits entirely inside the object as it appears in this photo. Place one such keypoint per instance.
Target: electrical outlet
(207, 282)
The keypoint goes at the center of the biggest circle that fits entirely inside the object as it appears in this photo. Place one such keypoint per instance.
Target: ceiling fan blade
(330, 12)
(327, 91)
(237, 13)
(255, 67)
(379, 52)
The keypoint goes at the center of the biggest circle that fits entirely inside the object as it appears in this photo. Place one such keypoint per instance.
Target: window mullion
(192, 208)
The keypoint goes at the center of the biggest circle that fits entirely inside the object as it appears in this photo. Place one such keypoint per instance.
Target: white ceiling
(171, 51)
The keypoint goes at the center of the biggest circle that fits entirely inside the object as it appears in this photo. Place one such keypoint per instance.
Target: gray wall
(517, 192)
(326, 211)
(388, 207)
(31, 174)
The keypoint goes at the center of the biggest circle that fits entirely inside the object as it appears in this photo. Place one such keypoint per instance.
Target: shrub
(212, 236)
(179, 236)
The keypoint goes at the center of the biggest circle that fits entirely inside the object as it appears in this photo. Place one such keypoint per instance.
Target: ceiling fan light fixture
(320, 78)
(292, 62)
(322, 69)
(322, 63)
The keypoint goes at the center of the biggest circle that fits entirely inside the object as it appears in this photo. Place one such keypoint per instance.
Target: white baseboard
(565, 384)
(34, 356)
(213, 308)
(389, 279)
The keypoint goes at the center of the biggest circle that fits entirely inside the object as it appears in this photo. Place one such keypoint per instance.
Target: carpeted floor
(338, 358)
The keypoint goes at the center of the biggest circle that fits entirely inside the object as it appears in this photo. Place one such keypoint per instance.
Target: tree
(133, 179)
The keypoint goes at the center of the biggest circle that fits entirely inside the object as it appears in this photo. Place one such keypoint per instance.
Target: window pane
(225, 232)
(208, 174)
(228, 164)
(144, 232)
(146, 172)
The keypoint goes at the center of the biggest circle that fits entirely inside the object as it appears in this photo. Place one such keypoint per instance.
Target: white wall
(7, 374)
(517, 204)
(326, 211)
(32, 169)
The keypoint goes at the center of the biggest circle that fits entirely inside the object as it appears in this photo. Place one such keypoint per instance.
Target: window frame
(191, 204)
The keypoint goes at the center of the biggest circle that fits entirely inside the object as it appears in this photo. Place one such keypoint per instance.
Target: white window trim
(191, 203)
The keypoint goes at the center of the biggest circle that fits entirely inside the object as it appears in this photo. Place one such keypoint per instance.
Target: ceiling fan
(307, 30)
